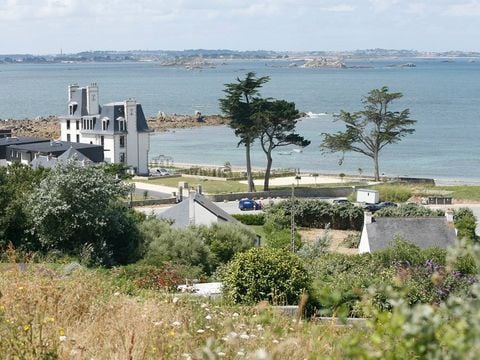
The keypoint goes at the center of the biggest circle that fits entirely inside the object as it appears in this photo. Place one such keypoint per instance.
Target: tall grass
(46, 315)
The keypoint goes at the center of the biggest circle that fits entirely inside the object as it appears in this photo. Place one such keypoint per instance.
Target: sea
(443, 95)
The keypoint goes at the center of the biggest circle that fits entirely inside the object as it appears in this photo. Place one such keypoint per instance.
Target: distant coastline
(49, 127)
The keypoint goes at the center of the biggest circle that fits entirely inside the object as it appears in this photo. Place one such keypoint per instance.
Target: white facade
(120, 127)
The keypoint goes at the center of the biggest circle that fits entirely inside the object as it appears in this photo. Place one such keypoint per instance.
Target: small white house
(379, 233)
(120, 127)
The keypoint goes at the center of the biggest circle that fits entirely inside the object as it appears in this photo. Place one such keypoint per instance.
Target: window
(105, 123)
(122, 157)
(78, 138)
(68, 124)
(68, 137)
(122, 141)
(78, 125)
(102, 140)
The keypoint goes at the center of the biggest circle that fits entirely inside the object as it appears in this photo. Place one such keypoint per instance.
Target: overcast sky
(46, 26)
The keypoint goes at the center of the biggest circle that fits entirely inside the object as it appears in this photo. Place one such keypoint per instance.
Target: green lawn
(463, 192)
(208, 185)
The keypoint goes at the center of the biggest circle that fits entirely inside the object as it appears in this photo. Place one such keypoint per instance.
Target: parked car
(248, 204)
(160, 172)
(340, 201)
(375, 207)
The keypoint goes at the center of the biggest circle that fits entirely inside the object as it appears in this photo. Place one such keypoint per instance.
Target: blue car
(248, 204)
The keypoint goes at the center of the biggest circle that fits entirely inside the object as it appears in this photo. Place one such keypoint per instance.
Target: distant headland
(203, 57)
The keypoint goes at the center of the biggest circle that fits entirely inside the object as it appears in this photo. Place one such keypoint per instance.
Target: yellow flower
(171, 333)
(61, 332)
(26, 327)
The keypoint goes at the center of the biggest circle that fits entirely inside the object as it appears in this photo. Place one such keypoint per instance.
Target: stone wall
(285, 193)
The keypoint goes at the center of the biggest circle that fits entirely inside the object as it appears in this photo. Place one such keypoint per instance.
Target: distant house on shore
(120, 127)
(379, 233)
(8, 141)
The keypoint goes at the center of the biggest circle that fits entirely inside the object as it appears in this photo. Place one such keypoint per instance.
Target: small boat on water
(298, 150)
(285, 153)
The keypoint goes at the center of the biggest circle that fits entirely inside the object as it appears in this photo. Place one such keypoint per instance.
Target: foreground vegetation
(117, 296)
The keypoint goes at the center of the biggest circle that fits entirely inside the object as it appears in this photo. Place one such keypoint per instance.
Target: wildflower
(235, 315)
(175, 300)
(187, 356)
(176, 323)
(244, 337)
(240, 353)
(275, 341)
(203, 306)
(62, 338)
(208, 317)
(20, 288)
(261, 354)
(157, 323)
(116, 293)
(26, 327)
(220, 353)
(200, 331)
(171, 333)
(61, 332)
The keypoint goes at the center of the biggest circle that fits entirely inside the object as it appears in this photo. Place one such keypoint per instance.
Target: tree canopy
(276, 123)
(368, 131)
(76, 209)
(237, 105)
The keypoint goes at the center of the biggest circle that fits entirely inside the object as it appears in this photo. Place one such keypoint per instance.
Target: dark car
(248, 204)
(375, 207)
(340, 201)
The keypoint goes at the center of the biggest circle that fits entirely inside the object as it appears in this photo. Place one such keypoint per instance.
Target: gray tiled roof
(71, 153)
(180, 213)
(423, 232)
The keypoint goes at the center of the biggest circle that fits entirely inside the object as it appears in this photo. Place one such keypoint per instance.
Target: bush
(265, 274)
(179, 246)
(395, 193)
(465, 222)
(225, 240)
(317, 214)
(408, 210)
(250, 219)
(352, 241)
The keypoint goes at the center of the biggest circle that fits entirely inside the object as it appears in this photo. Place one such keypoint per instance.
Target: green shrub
(282, 239)
(317, 214)
(395, 193)
(265, 274)
(465, 222)
(352, 241)
(225, 240)
(250, 219)
(408, 210)
(179, 246)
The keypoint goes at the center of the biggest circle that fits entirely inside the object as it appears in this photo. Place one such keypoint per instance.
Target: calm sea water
(443, 96)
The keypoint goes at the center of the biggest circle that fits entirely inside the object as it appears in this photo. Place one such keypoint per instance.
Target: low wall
(285, 193)
(150, 202)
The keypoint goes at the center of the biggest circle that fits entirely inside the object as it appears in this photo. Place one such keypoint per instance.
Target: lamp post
(292, 219)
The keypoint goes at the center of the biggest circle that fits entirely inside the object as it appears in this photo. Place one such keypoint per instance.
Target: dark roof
(17, 140)
(180, 213)
(44, 161)
(71, 153)
(53, 146)
(421, 231)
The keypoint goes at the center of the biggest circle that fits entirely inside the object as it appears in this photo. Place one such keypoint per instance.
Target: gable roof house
(379, 233)
(196, 210)
(120, 127)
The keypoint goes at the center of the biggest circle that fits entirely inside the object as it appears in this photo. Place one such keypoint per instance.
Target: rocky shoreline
(49, 127)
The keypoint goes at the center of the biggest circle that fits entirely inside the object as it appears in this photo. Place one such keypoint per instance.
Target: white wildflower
(244, 337)
(62, 338)
(200, 331)
(208, 317)
(176, 323)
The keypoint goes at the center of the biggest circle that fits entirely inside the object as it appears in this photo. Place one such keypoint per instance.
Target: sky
(49, 26)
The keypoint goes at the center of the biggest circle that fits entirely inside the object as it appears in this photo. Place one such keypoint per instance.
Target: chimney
(198, 189)
(368, 217)
(180, 193)
(449, 216)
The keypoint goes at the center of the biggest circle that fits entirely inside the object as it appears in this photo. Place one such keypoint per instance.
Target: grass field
(89, 314)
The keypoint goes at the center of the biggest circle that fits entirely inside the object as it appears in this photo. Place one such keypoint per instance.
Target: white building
(120, 127)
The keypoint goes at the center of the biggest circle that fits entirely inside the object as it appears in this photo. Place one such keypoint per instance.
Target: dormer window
(72, 107)
(105, 123)
(121, 123)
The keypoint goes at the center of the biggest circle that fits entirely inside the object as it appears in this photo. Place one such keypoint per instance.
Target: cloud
(464, 9)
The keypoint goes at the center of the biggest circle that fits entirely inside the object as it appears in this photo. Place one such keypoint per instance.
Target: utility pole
(292, 219)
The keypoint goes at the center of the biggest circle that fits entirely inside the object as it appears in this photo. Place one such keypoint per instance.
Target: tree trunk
(251, 184)
(266, 183)
(377, 171)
